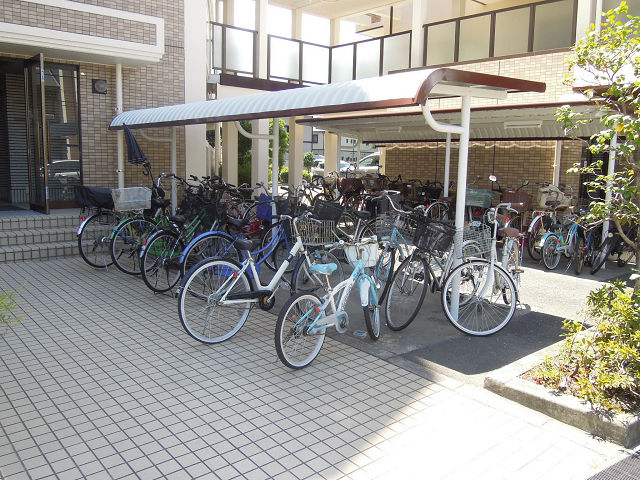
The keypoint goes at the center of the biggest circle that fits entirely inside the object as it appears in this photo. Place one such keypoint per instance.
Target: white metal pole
(120, 139)
(447, 164)
(174, 188)
(275, 156)
(613, 144)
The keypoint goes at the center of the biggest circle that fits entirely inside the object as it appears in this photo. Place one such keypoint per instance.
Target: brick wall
(511, 161)
(155, 85)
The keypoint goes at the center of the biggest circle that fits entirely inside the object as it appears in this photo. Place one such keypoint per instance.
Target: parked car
(369, 164)
(318, 167)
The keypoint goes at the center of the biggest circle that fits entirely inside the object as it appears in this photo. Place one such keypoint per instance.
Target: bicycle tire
(550, 255)
(437, 211)
(303, 280)
(482, 306)
(371, 310)
(295, 347)
(280, 254)
(625, 254)
(93, 239)
(346, 226)
(383, 270)
(406, 293)
(126, 244)
(578, 256)
(367, 230)
(601, 255)
(160, 263)
(209, 245)
(202, 317)
(534, 235)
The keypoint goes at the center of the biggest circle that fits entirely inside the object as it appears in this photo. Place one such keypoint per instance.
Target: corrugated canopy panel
(396, 90)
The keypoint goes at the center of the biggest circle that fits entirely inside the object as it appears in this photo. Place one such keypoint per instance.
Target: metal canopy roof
(404, 89)
(488, 123)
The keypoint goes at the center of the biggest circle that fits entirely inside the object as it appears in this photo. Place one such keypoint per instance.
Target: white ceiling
(530, 122)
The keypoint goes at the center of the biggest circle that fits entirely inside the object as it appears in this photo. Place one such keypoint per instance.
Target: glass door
(37, 144)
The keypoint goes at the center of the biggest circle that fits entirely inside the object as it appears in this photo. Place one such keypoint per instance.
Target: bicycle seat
(178, 219)
(237, 222)
(362, 215)
(324, 268)
(509, 232)
(243, 244)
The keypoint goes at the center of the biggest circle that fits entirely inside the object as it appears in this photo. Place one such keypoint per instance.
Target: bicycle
(561, 240)
(216, 287)
(305, 317)
(95, 229)
(479, 296)
(429, 266)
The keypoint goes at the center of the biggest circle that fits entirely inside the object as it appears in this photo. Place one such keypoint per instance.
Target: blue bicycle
(305, 318)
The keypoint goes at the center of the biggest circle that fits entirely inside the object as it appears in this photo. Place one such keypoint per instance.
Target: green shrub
(7, 318)
(306, 175)
(284, 174)
(600, 365)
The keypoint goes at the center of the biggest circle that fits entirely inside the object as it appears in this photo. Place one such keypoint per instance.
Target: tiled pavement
(101, 382)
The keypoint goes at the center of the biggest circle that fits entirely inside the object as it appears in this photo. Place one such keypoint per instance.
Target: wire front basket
(316, 232)
(404, 223)
(476, 241)
(433, 236)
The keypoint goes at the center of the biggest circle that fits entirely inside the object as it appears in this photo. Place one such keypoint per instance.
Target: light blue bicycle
(305, 317)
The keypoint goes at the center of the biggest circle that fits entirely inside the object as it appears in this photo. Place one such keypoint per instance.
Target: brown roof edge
(256, 83)
(474, 78)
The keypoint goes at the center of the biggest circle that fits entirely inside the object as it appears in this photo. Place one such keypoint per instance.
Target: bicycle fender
(84, 222)
(546, 236)
(203, 235)
(365, 284)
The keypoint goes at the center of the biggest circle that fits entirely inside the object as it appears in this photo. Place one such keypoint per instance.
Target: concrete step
(33, 222)
(42, 235)
(38, 251)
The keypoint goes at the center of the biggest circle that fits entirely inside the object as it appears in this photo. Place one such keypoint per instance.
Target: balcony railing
(233, 51)
(511, 31)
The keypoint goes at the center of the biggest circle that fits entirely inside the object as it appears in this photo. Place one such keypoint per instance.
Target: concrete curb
(622, 429)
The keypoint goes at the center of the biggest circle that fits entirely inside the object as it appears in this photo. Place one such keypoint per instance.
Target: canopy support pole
(275, 138)
(119, 109)
(173, 147)
(447, 165)
(613, 144)
(461, 194)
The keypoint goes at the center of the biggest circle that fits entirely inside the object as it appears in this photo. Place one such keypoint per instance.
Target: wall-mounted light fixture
(99, 85)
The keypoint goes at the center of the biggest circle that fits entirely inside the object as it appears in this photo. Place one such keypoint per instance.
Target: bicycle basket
(315, 232)
(404, 223)
(349, 185)
(368, 254)
(432, 236)
(476, 241)
(131, 198)
(264, 210)
(327, 210)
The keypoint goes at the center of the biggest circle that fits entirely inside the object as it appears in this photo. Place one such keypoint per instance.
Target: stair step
(18, 253)
(33, 222)
(43, 235)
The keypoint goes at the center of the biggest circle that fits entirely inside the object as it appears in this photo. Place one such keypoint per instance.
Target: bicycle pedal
(518, 270)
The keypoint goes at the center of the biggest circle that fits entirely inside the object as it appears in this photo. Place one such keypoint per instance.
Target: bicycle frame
(338, 314)
(258, 289)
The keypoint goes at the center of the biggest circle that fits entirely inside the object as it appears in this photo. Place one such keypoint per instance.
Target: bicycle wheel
(201, 313)
(578, 256)
(93, 239)
(625, 254)
(346, 226)
(371, 310)
(534, 235)
(295, 346)
(126, 243)
(487, 297)
(514, 261)
(383, 269)
(280, 254)
(304, 280)
(406, 292)
(601, 255)
(367, 230)
(213, 244)
(550, 254)
(160, 264)
(437, 211)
